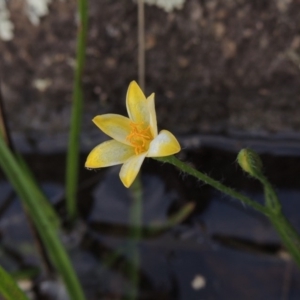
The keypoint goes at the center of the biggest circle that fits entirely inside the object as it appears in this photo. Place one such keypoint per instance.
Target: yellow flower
(134, 138)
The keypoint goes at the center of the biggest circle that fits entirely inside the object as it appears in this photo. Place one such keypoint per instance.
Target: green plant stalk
(251, 163)
(289, 235)
(36, 191)
(135, 236)
(214, 183)
(285, 230)
(173, 220)
(4, 131)
(45, 207)
(289, 230)
(271, 198)
(30, 195)
(290, 241)
(9, 288)
(76, 118)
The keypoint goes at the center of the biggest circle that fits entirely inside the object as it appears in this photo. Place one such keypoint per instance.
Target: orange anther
(139, 137)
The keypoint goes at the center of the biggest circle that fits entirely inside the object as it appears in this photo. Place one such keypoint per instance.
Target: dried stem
(141, 44)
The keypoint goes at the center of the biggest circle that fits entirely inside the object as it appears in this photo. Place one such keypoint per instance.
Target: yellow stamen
(139, 137)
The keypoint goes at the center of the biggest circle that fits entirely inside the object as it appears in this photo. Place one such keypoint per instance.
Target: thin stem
(135, 236)
(271, 197)
(42, 217)
(214, 183)
(173, 220)
(272, 210)
(283, 228)
(141, 44)
(289, 229)
(5, 134)
(73, 149)
(289, 235)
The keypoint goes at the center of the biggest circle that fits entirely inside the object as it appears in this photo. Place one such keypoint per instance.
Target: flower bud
(250, 162)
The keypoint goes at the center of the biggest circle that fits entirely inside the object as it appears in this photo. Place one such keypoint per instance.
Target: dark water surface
(223, 250)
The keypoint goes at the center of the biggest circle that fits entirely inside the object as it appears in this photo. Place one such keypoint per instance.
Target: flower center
(139, 137)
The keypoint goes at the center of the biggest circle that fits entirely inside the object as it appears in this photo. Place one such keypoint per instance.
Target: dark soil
(217, 66)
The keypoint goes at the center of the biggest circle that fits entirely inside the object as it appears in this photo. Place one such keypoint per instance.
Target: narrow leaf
(30, 194)
(9, 288)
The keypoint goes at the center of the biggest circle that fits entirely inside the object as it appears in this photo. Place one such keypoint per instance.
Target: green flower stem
(73, 149)
(288, 229)
(135, 236)
(214, 183)
(271, 197)
(272, 210)
(287, 235)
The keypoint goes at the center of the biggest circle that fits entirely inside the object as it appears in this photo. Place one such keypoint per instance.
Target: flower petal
(131, 168)
(136, 104)
(164, 144)
(107, 154)
(151, 108)
(115, 126)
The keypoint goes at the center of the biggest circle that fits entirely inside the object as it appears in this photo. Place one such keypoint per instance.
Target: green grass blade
(9, 288)
(28, 193)
(173, 220)
(73, 148)
(135, 236)
(38, 194)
